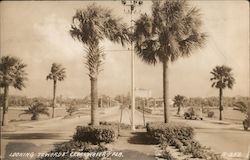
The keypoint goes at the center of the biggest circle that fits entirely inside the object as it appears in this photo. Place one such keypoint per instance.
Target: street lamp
(132, 4)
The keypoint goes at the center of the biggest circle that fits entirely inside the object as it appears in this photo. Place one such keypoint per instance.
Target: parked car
(192, 113)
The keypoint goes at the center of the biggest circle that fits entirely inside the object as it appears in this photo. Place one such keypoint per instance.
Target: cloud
(55, 31)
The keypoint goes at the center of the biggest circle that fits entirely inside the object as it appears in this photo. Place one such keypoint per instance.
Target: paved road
(40, 136)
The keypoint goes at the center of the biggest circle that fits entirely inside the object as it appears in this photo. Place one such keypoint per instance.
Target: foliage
(222, 77)
(210, 114)
(169, 131)
(167, 155)
(94, 134)
(12, 72)
(35, 109)
(178, 100)
(243, 107)
(71, 147)
(115, 124)
(71, 109)
(57, 72)
(173, 30)
(90, 26)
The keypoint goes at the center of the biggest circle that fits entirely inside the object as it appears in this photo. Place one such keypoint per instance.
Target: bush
(64, 149)
(167, 155)
(170, 131)
(94, 134)
(210, 114)
(115, 124)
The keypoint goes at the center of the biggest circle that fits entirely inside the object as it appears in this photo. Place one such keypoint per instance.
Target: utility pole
(132, 4)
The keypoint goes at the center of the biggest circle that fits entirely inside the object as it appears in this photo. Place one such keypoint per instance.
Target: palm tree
(172, 31)
(12, 73)
(57, 73)
(244, 107)
(35, 109)
(222, 78)
(179, 101)
(91, 26)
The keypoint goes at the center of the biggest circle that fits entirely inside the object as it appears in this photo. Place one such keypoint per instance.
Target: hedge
(94, 134)
(169, 131)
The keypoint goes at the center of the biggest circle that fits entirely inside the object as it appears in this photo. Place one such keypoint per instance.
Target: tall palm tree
(91, 26)
(12, 74)
(172, 31)
(178, 102)
(57, 73)
(35, 109)
(222, 78)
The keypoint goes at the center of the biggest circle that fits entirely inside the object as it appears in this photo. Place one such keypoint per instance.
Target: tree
(243, 107)
(172, 31)
(71, 109)
(222, 78)
(57, 73)
(179, 101)
(35, 109)
(12, 74)
(91, 26)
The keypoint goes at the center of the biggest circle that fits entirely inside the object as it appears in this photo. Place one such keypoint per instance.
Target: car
(192, 113)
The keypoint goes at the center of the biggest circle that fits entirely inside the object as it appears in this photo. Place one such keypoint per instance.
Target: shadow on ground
(26, 149)
(141, 138)
(31, 136)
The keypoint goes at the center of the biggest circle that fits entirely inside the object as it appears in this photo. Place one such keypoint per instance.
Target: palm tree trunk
(220, 103)
(54, 99)
(179, 109)
(165, 91)
(94, 101)
(5, 106)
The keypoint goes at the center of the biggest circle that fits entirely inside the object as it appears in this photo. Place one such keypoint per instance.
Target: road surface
(41, 135)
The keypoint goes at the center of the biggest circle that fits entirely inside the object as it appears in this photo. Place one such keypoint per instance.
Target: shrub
(167, 155)
(115, 124)
(94, 134)
(210, 114)
(64, 149)
(170, 131)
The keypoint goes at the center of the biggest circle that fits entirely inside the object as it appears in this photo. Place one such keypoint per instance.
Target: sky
(38, 33)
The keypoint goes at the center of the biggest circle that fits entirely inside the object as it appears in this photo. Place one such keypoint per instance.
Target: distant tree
(36, 108)
(12, 74)
(172, 31)
(222, 79)
(57, 73)
(178, 102)
(91, 26)
(71, 109)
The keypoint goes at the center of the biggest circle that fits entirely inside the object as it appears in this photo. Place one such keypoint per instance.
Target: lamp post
(132, 4)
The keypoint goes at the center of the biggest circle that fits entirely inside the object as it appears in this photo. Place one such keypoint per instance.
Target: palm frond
(12, 72)
(222, 77)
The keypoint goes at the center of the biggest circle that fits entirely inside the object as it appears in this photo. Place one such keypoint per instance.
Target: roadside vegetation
(36, 108)
(176, 142)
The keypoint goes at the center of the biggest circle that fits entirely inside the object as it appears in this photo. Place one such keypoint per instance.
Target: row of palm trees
(173, 30)
(13, 74)
(222, 78)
